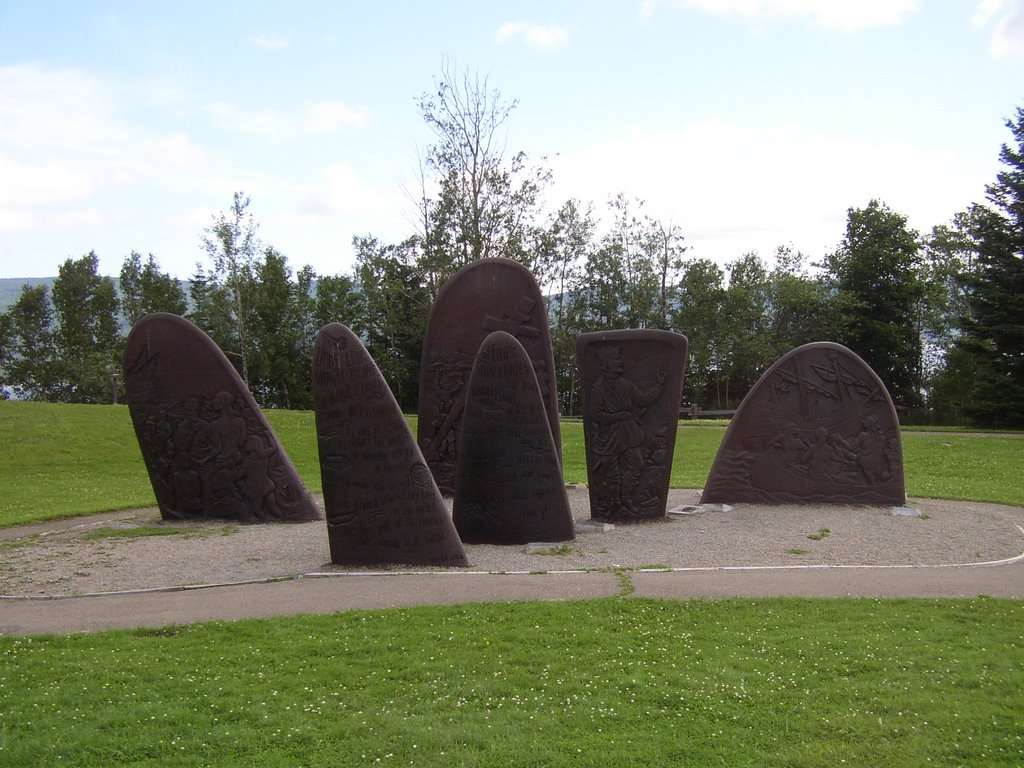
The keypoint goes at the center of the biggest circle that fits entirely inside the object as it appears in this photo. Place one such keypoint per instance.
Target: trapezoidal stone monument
(382, 504)
(508, 481)
(631, 383)
(209, 450)
(485, 296)
(818, 427)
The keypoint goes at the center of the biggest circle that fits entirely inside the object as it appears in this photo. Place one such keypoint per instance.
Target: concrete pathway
(343, 592)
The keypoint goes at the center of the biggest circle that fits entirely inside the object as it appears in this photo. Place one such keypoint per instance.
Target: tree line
(938, 316)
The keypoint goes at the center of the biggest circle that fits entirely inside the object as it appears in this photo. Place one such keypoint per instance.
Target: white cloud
(846, 15)
(735, 188)
(270, 124)
(48, 183)
(1006, 19)
(270, 42)
(343, 191)
(178, 151)
(50, 110)
(320, 118)
(534, 35)
(22, 219)
(328, 117)
(66, 127)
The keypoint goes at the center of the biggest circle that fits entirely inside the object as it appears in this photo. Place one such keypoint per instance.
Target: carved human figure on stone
(869, 450)
(186, 487)
(822, 458)
(198, 428)
(227, 430)
(818, 427)
(616, 405)
(791, 445)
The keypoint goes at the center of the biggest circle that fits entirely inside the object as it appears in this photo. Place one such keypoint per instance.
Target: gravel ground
(74, 557)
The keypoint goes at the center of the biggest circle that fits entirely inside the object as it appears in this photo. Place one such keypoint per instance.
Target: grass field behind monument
(612, 682)
(59, 460)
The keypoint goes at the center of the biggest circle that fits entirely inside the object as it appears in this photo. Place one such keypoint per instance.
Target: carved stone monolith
(508, 481)
(382, 504)
(818, 427)
(631, 384)
(209, 450)
(485, 296)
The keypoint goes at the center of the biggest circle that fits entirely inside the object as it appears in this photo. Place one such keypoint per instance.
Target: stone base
(905, 511)
(593, 526)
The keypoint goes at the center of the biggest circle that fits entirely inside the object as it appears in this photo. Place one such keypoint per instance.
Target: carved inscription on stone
(382, 504)
(508, 486)
(207, 447)
(631, 384)
(485, 296)
(818, 427)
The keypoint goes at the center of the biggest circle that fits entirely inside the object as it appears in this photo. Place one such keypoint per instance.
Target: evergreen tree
(994, 328)
(279, 373)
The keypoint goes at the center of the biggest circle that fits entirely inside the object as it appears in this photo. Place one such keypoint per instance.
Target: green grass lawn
(64, 460)
(612, 682)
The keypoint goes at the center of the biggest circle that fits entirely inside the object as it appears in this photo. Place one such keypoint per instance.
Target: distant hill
(10, 288)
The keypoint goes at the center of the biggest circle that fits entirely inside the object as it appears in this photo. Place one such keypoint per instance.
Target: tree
(994, 326)
(6, 352)
(949, 258)
(631, 241)
(561, 252)
(878, 294)
(699, 317)
(280, 374)
(88, 335)
(339, 301)
(145, 289)
(396, 302)
(603, 296)
(797, 306)
(232, 246)
(744, 346)
(30, 357)
(485, 204)
(668, 250)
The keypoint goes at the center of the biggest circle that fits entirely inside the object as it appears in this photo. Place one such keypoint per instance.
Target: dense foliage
(939, 317)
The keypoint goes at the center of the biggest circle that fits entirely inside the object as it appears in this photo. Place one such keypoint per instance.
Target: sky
(748, 124)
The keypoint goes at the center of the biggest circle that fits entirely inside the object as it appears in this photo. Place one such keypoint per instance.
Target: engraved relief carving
(818, 426)
(632, 383)
(208, 450)
(483, 297)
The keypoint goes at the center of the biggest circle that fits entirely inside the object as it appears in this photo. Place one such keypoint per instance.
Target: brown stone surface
(818, 427)
(631, 384)
(382, 504)
(508, 483)
(209, 451)
(485, 296)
